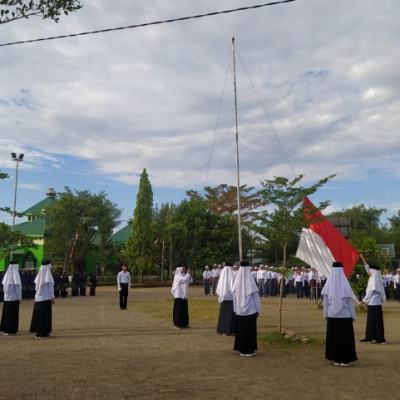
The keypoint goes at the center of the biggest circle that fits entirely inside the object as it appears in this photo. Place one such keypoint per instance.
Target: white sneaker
(345, 364)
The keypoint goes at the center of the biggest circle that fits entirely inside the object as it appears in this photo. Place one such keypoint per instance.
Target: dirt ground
(98, 351)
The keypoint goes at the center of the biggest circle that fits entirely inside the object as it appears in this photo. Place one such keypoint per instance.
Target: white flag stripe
(313, 251)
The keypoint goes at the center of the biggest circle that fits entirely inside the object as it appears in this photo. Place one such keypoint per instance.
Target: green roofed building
(120, 238)
(34, 227)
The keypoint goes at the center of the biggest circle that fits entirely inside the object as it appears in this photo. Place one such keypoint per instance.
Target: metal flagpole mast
(237, 155)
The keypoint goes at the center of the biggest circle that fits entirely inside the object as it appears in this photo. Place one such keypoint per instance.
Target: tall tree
(206, 237)
(139, 246)
(284, 221)
(13, 10)
(78, 223)
(364, 222)
(222, 199)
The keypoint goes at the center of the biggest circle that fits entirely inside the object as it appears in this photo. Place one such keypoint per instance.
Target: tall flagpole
(237, 155)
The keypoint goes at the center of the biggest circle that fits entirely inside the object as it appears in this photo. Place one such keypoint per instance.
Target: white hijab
(44, 276)
(375, 282)
(225, 282)
(180, 285)
(336, 288)
(12, 276)
(243, 286)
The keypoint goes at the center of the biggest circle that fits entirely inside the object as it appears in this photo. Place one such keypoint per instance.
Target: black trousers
(10, 317)
(41, 322)
(123, 296)
(180, 313)
(246, 333)
(375, 329)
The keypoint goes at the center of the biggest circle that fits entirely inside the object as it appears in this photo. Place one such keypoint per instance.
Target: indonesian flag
(321, 244)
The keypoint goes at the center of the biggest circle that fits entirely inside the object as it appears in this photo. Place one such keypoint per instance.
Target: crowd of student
(300, 281)
(78, 284)
(303, 282)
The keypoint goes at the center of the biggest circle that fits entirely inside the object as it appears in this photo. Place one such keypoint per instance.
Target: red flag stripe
(340, 248)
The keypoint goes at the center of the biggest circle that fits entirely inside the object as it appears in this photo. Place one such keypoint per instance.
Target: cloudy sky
(318, 93)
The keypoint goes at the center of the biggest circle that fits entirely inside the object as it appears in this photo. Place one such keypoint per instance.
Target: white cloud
(325, 72)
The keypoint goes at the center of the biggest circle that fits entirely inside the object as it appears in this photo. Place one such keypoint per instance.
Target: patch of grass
(201, 311)
(159, 309)
(279, 340)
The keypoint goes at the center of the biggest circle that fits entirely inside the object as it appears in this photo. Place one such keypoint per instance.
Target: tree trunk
(283, 272)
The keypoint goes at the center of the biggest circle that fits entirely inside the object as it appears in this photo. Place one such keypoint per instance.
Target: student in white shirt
(124, 284)
(206, 280)
(374, 297)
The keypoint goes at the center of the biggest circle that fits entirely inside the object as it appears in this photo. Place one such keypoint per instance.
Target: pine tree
(139, 246)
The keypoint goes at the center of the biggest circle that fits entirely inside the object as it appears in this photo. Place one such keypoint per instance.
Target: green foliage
(12, 10)
(206, 237)
(194, 235)
(359, 279)
(10, 239)
(364, 223)
(140, 244)
(282, 222)
(82, 218)
(3, 175)
(371, 252)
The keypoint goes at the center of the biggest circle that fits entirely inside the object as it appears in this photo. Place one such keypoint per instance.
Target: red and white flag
(321, 244)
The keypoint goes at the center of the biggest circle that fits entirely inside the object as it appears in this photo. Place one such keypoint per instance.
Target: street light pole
(17, 160)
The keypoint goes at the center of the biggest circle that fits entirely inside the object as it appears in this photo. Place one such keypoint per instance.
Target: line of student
(239, 307)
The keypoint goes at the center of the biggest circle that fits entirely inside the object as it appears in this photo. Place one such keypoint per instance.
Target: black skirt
(246, 334)
(10, 317)
(226, 319)
(181, 313)
(41, 318)
(375, 329)
(340, 345)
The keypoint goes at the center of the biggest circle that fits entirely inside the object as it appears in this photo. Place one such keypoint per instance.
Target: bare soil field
(98, 351)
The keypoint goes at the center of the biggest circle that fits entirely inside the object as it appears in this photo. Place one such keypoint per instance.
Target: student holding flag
(374, 297)
(339, 312)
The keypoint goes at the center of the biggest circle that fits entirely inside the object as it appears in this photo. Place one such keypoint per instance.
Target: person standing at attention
(124, 284)
(180, 289)
(374, 297)
(41, 322)
(215, 272)
(226, 318)
(12, 298)
(339, 313)
(206, 280)
(246, 305)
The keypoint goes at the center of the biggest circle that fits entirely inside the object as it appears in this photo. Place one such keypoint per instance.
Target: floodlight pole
(17, 160)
